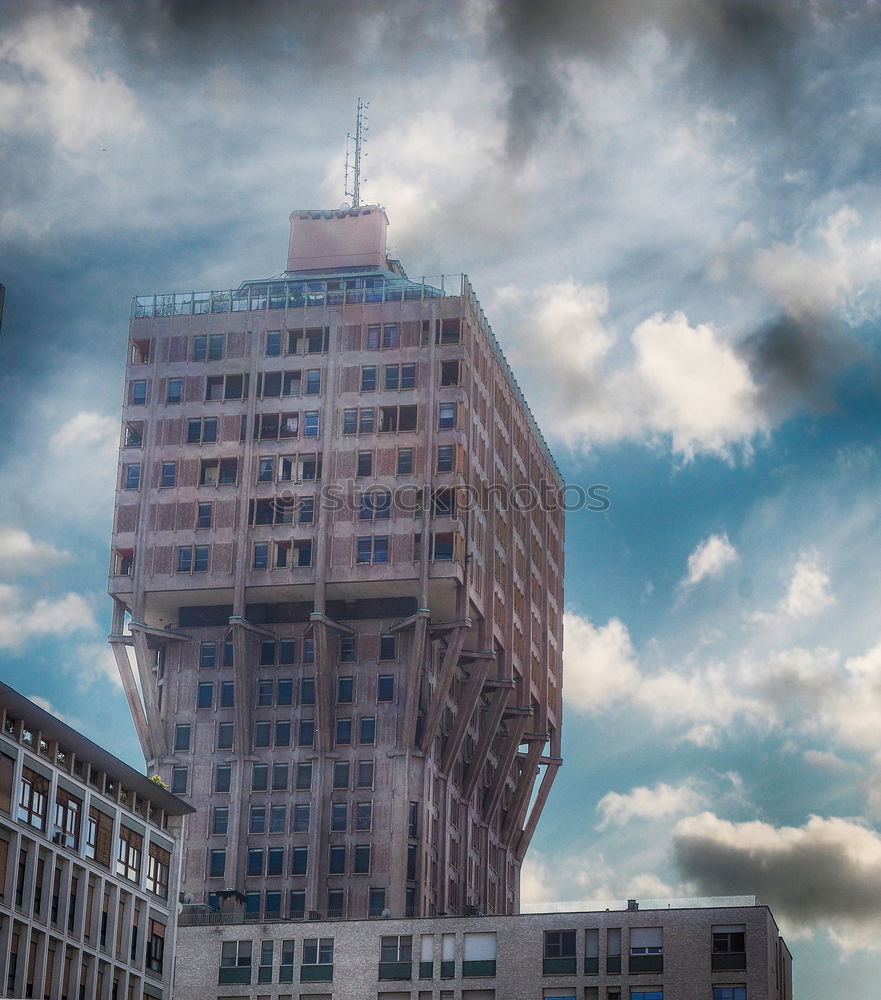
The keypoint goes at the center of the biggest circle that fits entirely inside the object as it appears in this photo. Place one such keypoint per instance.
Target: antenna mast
(353, 153)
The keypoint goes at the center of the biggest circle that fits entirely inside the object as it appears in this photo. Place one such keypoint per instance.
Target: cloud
(599, 664)
(47, 706)
(669, 382)
(54, 87)
(94, 663)
(87, 431)
(711, 558)
(826, 873)
(807, 595)
(648, 803)
(25, 617)
(22, 555)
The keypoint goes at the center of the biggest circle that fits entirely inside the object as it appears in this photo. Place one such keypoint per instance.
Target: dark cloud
(797, 362)
(815, 876)
(734, 50)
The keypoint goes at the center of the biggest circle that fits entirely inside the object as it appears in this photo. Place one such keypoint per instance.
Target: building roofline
(52, 728)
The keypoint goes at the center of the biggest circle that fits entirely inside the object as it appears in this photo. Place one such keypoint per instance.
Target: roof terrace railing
(598, 905)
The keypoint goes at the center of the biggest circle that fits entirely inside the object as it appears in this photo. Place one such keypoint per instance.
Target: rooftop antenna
(353, 153)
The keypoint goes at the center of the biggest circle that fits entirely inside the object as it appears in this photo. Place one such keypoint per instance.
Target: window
(443, 545)
(299, 860)
(208, 655)
(279, 777)
(273, 343)
(372, 549)
(375, 902)
(363, 816)
(443, 502)
(158, 867)
(445, 457)
(311, 423)
(729, 993)
(388, 335)
(179, 780)
(129, 848)
(449, 373)
(227, 694)
(304, 776)
(131, 476)
(446, 417)
(208, 348)
(282, 733)
(204, 514)
(361, 861)
(123, 562)
(729, 947)
(33, 791)
(313, 382)
(174, 390)
(220, 820)
(646, 949)
(336, 864)
(222, 778)
(367, 731)
(592, 951)
(99, 831)
(559, 953)
(218, 472)
(397, 418)
(368, 378)
(257, 819)
(278, 818)
(399, 377)
(396, 956)
(266, 469)
(317, 960)
(343, 733)
(192, 559)
(479, 955)
(365, 464)
(301, 817)
(133, 436)
(138, 392)
(650, 994)
(156, 946)
(168, 474)
(201, 430)
(385, 688)
(226, 733)
(67, 818)
(307, 684)
(340, 774)
(287, 649)
(375, 506)
(449, 331)
(235, 962)
(255, 861)
(387, 647)
(345, 685)
(365, 774)
(261, 555)
(339, 816)
(413, 820)
(285, 691)
(306, 734)
(259, 777)
(405, 461)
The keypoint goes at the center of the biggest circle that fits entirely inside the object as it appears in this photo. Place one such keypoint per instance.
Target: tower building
(337, 580)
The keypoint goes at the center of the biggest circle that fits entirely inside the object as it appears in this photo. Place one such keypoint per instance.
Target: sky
(670, 212)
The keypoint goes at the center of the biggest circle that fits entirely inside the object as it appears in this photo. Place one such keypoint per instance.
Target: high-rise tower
(337, 581)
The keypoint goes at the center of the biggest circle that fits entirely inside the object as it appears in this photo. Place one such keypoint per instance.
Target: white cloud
(710, 559)
(56, 86)
(807, 595)
(86, 431)
(648, 803)
(94, 663)
(22, 555)
(47, 706)
(24, 617)
(598, 663)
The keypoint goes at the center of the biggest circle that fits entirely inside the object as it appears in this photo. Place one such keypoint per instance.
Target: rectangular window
(559, 953)
(261, 555)
(266, 469)
(365, 464)
(372, 549)
(446, 418)
(375, 902)
(278, 818)
(345, 686)
(66, 827)
(367, 731)
(449, 373)
(301, 817)
(368, 378)
(182, 737)
(222, 778)
(646, 949)
(174, 390)
(318, 951)
(339, 816)
(259, 777)
(385, 688)
(273, 343)
(138, 392)
(285, 695)
(257, 819)
(363, 816)
(202, 430)
(133, 436)
(255, 862)
(343, 733)
(306, 734)
(208, 655)
(311, 423)
(204, 514)
(387, 647)
(313, 382)
(340, 774)
(304, 776)
(729, 947)
(131, 476)
(365, 774)
(279, 777)
(227, 694)
(307, 684)
(361, 860)
(129, 849)
(168, 474)
(220, 820)
(179, 780)
(205, 695)
(336, 860)
(299, 860)
(405, 461)
(292, 383)
(226, 733)
(282, 733)
(479, 954)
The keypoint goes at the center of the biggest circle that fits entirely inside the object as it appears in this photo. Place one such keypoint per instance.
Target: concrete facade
(338, 629)
(702, 952)
(89, 866)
